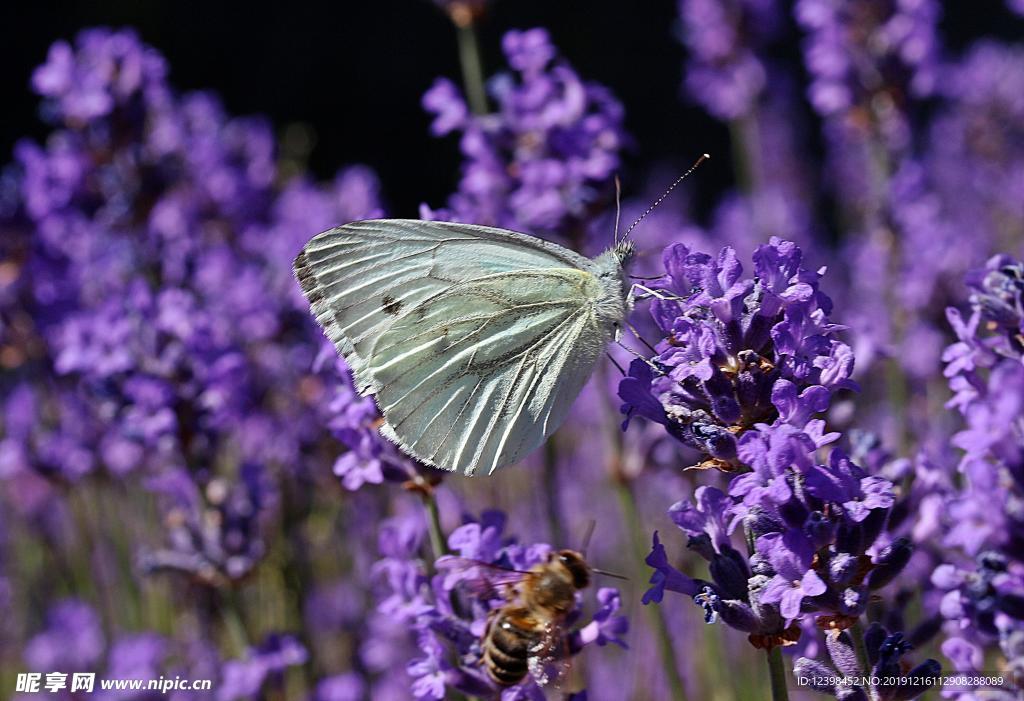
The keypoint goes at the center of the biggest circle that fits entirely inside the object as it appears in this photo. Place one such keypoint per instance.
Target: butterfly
(475, 341)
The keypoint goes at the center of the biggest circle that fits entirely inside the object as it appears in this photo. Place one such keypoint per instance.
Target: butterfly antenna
(681, 178)
(618, 208)
(640, 356)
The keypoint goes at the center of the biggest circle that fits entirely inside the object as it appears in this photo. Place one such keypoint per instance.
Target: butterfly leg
(657, 294)
(641, 356)
(641, 338)
(615, 362)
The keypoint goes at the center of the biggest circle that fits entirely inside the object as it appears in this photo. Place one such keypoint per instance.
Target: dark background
(354, 72)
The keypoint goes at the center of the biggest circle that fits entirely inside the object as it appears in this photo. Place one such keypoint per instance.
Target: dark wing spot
(390, 305)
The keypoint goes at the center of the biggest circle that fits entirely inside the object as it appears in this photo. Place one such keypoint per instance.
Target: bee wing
(482, 579)
(550, 658)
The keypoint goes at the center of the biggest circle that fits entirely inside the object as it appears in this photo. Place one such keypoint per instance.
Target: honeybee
(529, 632)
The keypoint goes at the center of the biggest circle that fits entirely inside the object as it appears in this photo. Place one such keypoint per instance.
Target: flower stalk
(438, 544)
(777, 674)
(861, 648)
(638, 540)
(472, 68)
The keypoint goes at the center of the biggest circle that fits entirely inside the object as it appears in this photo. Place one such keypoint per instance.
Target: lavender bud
(850, 538)
(841, 650)
(815, 672)
(842, 568)
(891, 562)
(701, 544)
(730, 575)
(759, 565)
(874, 637)
(715, 440)
(925, 631)
(992, 561)
(854, 601)
(759, 522)
(820, 529)
(873, 525)
(739, 615)
(752, 390)
(921, 679)
(767, 614)
(1012, 605)
(794, 513)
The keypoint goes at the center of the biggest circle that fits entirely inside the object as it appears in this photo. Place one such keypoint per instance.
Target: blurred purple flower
(341, 687)
(245, 677)
(71, 641)
(725, 73)
(548, 153)
(135, 212)
(982, 577)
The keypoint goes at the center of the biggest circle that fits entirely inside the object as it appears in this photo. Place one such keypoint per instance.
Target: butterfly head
(624, 252)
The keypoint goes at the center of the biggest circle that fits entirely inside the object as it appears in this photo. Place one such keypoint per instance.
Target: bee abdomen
(507, 651)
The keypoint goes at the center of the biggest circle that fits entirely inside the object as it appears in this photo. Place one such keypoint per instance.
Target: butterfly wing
(464, 333)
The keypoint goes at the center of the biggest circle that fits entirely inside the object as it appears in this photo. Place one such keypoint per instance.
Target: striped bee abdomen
(508, 644)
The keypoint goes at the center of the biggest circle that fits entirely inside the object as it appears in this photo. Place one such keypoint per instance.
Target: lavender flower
(811, 529)
(974, 149)
(739, 352)
(884, 654)
(869, 55)
(725, 73)
(168, 198)
(369, 458)
(167, 406)
(548, 154)
(984, 588)
(244, 678)
(152, 331)
(216, 536)
(342, 687)
(71, 641)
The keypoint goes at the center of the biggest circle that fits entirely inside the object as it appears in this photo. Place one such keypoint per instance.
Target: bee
(529, 631)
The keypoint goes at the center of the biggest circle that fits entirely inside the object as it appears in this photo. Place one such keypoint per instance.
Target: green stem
(777, 673)
(878, 218)
(857, 634)
(627, 499)
(639, 540)
(551, 491)
(438, 544)
(472, 68)
(234, 626)
(437, 540)
(106, 511)
(745, 137)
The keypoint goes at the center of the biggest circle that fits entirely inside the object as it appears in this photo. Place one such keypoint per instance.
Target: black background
(354, 72)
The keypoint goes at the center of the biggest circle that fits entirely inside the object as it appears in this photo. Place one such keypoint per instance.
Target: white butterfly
(475, 340)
